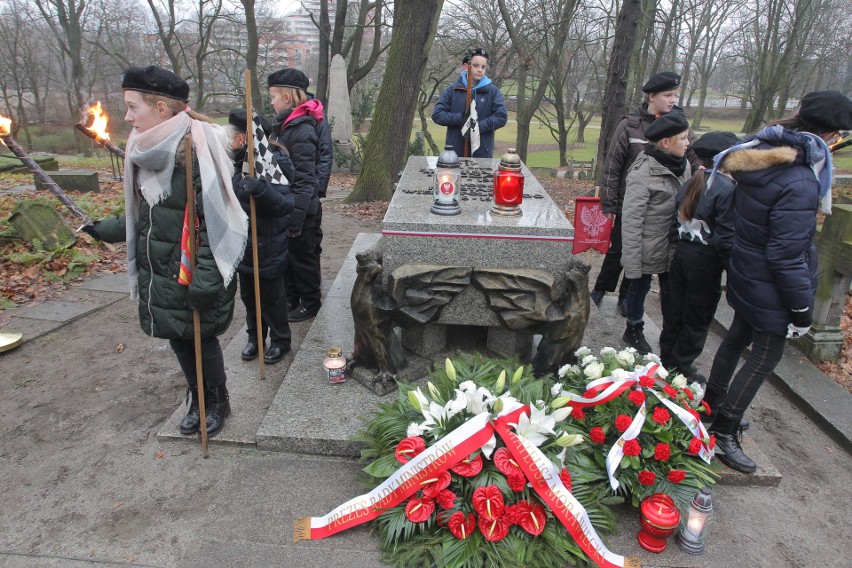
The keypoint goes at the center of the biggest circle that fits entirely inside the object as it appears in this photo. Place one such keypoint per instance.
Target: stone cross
(339, 106)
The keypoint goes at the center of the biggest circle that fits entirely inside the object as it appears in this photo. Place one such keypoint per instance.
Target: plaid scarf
(148, 172)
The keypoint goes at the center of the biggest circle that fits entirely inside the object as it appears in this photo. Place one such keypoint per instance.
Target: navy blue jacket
(450, 110)
(773, 263)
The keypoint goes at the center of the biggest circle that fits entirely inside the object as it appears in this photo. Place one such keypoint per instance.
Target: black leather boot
(634, 337)
(192, 420)
(714, 399)
(217, 407)
(728, 449)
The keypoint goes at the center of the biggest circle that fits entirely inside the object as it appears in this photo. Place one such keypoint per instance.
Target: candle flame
(99, 120)
(5, 127)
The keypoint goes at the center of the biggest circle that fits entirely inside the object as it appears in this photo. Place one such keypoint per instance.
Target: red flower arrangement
(632, 448)
(661, 415)
(647, 477)
(623, 422)
(676, 475)
(637, 397)
(662, 452)
(597, 435)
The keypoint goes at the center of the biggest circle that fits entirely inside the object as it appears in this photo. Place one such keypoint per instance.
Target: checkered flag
(265, 165)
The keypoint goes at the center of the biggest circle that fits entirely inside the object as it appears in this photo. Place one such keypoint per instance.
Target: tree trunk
(251, 52)
(387, 142)
(324, 55)
(615, 92)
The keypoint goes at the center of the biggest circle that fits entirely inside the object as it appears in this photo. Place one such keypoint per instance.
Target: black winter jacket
(712, 224)
(300, 138)
(773, 264)
(272, 207)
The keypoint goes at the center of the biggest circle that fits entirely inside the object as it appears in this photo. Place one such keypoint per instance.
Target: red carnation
(677, 475)
(418, 510)
(637, 397)
(494, 529)
(662, 452)
(647, 477)
(707, 410)
(597, 435)
(408, 448)
(511, 515)
(694, 446)
(661, 415)
(461, 526)
(432, 487)
(632, 448)
(468, 467)
(688, 394)
(578, 414)
(517, 482)
(488, 502)
(694, 413)
(646, 381)
(565, 478)
(669, 390)
(446, 499)
(712, 442)
(622, 422)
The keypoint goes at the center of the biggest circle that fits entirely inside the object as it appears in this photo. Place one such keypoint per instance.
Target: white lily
(501, 381)
(679, 381)
(568, 440)
(489, 447)
(467, 386)
(433, 390)
(594, 370)
(418, 400)
(561, 414)
(436, 415)
(533, 426)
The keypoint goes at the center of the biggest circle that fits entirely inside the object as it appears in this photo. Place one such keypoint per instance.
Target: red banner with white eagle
(591, 226)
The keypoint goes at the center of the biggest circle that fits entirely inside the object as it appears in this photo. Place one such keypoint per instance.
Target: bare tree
(387, 141)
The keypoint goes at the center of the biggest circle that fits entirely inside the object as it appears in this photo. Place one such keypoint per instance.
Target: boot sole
(734, 466)
(211, 433)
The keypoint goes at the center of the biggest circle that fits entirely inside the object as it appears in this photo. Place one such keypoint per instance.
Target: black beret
(237, 119)
(714, 142)
(155, 80)
(288, 78)
(471, 53)
(665, 81)
(666, 126)
(831, 110)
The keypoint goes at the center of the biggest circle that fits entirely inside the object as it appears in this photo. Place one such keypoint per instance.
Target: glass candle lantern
(508, 186)
(659, 517)
(446, 183)
(695, 526)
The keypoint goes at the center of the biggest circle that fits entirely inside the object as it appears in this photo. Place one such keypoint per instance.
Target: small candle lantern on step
(508, 186)
(659, 517)
(696, 524)
(446, 183)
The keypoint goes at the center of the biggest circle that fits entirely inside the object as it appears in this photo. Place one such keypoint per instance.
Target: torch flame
(5, 127)
(99, 121)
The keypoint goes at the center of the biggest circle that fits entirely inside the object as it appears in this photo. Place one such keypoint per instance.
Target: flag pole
(467, 108)
(196, 317)
(261, 369)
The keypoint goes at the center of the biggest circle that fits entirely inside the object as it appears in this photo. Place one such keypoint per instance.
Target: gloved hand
(252, 186)
(794, 331)
(91, 230)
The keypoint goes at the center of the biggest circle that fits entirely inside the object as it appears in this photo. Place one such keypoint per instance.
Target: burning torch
(841, 143)
(94, 125)
(38, 172)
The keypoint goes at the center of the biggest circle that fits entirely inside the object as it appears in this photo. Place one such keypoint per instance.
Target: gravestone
(339, 106)
(84, 181)
(34, 221)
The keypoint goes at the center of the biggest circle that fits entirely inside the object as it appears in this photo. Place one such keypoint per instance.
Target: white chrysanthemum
(625, 358)
(533, 427)
(415, 429)
(457, 404)
(582, 352)
(588, 360)
(563, 370)
(679, 381)
(594, 370)
(556, 389)
(697, 393)
(607, 351)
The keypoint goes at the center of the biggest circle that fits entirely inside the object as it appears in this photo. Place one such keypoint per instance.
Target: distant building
(302, 27)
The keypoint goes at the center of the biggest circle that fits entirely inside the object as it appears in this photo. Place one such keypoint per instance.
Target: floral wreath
(482, 469)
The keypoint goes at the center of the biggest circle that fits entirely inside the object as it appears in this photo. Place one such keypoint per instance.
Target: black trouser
(212, 361)
(303, 277)
(273, 309)
(637, 291)
(694, 289)
(766, 351)
(611, 269)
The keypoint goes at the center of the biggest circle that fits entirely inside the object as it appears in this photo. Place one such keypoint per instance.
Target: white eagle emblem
(593, 220)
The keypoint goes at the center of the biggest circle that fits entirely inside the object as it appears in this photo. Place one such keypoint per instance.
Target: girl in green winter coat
(648, 215)
(156, 207)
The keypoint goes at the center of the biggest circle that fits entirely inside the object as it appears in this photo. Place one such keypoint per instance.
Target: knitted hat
(155, 80)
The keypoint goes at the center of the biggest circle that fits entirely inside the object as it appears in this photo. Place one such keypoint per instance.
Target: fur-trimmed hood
(755, 159)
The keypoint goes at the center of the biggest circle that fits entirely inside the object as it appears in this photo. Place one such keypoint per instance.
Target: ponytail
(692, 194)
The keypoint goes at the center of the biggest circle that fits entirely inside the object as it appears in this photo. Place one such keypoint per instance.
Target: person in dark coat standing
(168, 290)
(783, 176)
(628, 141)
(451, 109)
(704, 235)
(296, 129)
(273, 203)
